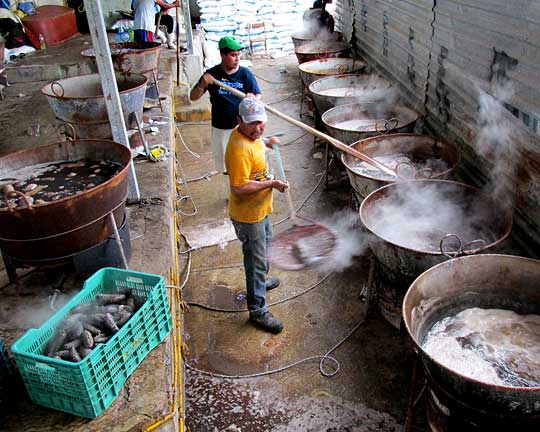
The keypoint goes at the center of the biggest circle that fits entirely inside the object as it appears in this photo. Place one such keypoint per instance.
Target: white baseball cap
(252, 110)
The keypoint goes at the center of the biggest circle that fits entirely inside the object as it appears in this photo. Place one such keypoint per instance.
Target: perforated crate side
(90, 386)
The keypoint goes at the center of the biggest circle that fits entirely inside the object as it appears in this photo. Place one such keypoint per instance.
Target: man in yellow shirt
(250, 204)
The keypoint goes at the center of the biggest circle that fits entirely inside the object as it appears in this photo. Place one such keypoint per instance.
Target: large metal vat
(316, 69)
(322, 49)
(419, 148)
(337, 90)
(306, 36)
(80, 102)
(407, 221)
(132, 57)
(483, 281)
(352, 122)
(57, 229)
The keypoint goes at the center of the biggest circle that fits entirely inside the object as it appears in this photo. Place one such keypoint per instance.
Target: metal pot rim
(396, 136)
(431, 253)
(48, 93)
(420, 351)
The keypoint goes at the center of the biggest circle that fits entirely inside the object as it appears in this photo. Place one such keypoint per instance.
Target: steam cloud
(350, 241)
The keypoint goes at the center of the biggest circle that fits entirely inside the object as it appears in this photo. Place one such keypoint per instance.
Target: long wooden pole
(336, 143)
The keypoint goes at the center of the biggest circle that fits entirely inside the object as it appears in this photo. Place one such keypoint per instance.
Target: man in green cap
(224, 104)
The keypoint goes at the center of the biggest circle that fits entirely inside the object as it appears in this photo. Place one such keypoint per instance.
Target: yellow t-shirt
(245, 160)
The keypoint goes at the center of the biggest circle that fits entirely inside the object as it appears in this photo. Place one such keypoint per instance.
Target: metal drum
(482, 281)
(54, 230)
(80, 102)
(430, 157)
(132, 57)
(337, 90)
(352, 122)
(416, 224)
(322, 49)
(316, 69)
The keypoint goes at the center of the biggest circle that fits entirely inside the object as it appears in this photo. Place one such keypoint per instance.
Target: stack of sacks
(218, 18)
(231, 17)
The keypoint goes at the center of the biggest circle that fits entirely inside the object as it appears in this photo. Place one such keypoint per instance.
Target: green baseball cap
(230, 42)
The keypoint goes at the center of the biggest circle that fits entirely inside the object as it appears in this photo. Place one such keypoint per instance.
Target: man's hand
(253, 95)
(279, 185)
(272, 140)
(206, 80)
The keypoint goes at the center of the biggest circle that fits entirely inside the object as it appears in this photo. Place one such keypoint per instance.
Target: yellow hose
(175, 300)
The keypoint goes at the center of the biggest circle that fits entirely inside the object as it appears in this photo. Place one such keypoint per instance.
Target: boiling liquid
(56, 180)
(362, 125)
(491, 345)
(410, 165)
(358, 91)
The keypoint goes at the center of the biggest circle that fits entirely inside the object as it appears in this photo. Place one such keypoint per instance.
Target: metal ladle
(336, 143)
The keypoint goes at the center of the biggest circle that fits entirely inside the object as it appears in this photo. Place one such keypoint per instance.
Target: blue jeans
(255, 238)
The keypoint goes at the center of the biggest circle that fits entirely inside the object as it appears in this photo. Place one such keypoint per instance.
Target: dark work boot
(267, 322)
(271, 283)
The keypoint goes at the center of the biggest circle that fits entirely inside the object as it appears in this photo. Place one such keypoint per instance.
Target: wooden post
(94, 13)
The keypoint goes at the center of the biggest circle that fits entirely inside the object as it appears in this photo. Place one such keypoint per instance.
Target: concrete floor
(370, 391)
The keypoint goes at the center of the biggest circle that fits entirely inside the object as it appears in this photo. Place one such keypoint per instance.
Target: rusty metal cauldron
(404, 250)
(315, 69)
(132, 57)
(322, 49)
(335, 90)
(418, 147)
(56, 230)
(80, 102)
(483, 281)
(352, 122)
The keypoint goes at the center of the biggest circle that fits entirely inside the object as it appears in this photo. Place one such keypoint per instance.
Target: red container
(56, 23)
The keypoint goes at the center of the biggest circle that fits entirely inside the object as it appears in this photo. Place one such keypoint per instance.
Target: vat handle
(403, 164)
(56, 83)
(68, 132)
(390, 125)
(124, 61)
(10, 193)
(461, 251)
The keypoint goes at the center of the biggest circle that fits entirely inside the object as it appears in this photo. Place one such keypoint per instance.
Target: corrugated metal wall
(442, 53)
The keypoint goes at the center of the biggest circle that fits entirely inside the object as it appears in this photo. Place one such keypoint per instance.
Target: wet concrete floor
(370, 390)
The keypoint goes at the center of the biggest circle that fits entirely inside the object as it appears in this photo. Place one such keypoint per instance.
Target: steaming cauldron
(315, 69)
(80, 102)
(420, 149)
(305, 36)
(483, 281)
(322, 49)
(57, 229)
(352, 122)
(337, 90)
(407, 222)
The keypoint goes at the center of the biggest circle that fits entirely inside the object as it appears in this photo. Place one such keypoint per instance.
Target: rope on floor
(216, 309)
(322, 358)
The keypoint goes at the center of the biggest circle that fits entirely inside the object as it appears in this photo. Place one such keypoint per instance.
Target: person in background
(164, 19)
(318, 18)
(224, 104)
(144, 24)
(250, 205)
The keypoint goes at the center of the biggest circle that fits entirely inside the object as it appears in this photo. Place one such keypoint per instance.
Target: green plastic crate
(89, 387)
